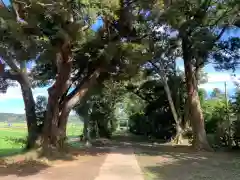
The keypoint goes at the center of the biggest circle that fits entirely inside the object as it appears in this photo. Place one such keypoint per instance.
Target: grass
(181, 162)
(7, 145)
(11, 138)
(165, 161)
(180, 165)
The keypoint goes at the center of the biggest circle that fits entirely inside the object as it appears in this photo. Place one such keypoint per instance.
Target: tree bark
(86, 131)
(177, 120)
(62, 126)
(196, 116)
(51, 129)
(75, 97)
(179, 131)
(29, 104)
(57, 114)
(186, 116)
(31, 119)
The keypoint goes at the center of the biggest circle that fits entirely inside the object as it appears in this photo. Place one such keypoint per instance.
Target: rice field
(12, 136)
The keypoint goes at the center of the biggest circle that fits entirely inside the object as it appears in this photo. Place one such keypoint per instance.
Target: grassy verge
(12, 138)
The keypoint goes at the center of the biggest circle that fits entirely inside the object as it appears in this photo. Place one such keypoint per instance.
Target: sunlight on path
(120, 165)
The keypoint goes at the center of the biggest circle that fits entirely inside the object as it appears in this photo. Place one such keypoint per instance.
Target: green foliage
(214, 110)
(154, 117)
(3, 85)
(235, 107)
(99, 107)
(219, 119)
(41, 105)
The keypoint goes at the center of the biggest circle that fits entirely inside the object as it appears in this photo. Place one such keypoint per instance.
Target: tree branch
(138, 94)
(12, 65)
(75, 96)
(237, 23)
(157, 69)
(221, 17)
(221, 33)
(3, 4)
(7, 75)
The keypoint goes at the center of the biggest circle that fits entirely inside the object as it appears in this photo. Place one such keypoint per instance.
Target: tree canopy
(132, 54)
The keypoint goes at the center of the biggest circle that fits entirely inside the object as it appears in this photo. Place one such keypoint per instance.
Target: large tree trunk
(29, 103)
(62, 126)
(51, 123)
(179, 131)
(196, 116)
(86, 131)
(186, 116)
(85, 127)
(76, 96)
(57, 115)
(177, 120)
(29, 111)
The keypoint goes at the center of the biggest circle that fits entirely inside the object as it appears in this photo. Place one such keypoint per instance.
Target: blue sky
(12, 102)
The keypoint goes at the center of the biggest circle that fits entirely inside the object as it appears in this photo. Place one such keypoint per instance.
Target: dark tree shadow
(180, 162)
(24, 168)
(188, 167)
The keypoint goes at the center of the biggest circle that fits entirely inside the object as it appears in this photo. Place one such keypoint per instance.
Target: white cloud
(218, 77)
(12, 93)
(211, 86)
(217, 80)
(15, 93)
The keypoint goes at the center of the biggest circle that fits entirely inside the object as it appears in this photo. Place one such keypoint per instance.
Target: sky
(11, 102)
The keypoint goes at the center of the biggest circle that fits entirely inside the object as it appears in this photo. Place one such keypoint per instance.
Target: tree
(98, 110)
(150, 91)
(163, 76)
(65, 45)
(147, 104)
(72, 59)
(216, 93)
(196, 23)
(15, 50)
(171, 103)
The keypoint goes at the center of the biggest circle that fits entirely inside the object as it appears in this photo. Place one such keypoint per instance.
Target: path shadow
(169, 166)
(21, 169)
(181, 162)
(146, 146)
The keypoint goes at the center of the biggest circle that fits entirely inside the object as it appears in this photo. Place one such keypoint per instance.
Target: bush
(236, 132)
(19, 141)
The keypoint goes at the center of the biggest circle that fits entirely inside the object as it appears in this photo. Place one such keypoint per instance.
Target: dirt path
(120, 164)
(86, 168)
(115, 162)
(133, 159)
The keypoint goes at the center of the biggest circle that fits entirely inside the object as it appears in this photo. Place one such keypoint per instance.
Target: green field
(10, 137)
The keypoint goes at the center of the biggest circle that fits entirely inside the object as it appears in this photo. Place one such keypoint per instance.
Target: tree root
(202, 147)
(178, 139)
